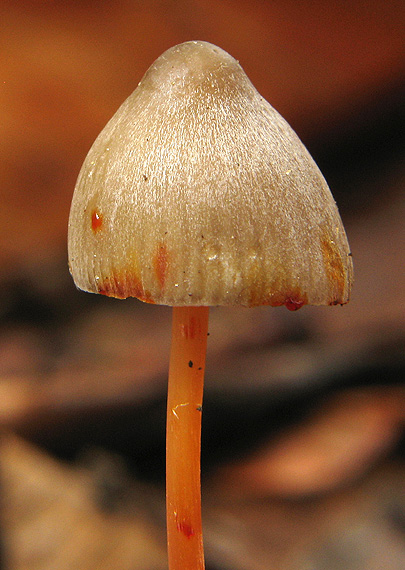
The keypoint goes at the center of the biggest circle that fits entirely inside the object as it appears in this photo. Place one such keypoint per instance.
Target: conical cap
(197, 192)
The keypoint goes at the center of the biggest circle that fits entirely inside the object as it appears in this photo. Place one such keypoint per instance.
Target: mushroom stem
(183, 438)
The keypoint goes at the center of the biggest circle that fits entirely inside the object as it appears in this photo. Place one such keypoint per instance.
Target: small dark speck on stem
(190, 363)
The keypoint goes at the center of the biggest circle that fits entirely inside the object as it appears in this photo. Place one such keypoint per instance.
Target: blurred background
(302, 442)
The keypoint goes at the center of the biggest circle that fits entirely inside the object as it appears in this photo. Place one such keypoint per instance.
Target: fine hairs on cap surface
(197, 192)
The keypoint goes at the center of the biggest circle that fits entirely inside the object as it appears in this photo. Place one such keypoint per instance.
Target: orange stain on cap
(161, 264)
(335, 272)
(124, 285)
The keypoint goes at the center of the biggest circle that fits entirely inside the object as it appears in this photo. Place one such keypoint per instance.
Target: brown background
(317, 394)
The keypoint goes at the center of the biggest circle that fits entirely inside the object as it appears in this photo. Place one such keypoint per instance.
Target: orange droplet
(96, 221)
(293, 304)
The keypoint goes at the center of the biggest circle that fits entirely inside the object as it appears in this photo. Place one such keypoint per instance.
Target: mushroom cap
(197, 192)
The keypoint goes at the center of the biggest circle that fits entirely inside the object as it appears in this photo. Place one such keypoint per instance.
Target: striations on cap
(197, 192)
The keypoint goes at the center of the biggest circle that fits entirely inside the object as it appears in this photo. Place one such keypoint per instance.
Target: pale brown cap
(197, 192)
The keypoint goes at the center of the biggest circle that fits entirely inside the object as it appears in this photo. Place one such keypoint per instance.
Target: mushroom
(198, 193)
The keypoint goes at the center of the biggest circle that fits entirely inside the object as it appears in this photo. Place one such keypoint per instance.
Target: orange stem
(183, 438)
